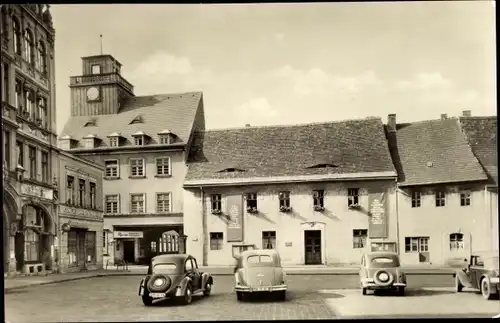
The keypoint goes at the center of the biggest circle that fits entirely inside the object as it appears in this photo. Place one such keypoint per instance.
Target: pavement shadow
(414, 293)
(170, 302)
(268, 297)
(16, 291)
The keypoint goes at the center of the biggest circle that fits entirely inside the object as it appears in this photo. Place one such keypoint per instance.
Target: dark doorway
(80, 258)
(19, 250)
(312, 246)
(128, 251)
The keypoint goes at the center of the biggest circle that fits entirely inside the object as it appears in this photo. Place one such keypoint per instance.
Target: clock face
(93, 93)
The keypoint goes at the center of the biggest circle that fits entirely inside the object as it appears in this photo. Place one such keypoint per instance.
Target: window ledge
(137, 177)
(111, 178)
(162, 176)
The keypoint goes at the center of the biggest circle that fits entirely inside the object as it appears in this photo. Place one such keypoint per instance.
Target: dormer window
(166, 137)
(66, 142)
(137, 119)
(89, 141)
(323, 164)
(231, 170)
(96, 69)
(114, 139)
(139, 138)
(90, 123)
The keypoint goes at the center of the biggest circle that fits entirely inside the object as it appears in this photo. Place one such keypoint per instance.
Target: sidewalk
(19, 282)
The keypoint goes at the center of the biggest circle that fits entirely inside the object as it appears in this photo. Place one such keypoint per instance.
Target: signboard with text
(235, 215)
(127, 234)
(378, 214)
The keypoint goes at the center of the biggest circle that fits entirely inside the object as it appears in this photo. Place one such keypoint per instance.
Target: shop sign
(128, 234)
(37, 191)
(84, 213)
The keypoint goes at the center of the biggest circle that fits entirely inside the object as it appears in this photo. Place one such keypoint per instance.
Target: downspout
(204, 226)
(398, 243)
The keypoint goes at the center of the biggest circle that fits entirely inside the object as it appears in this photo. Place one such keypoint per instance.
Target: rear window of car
(384, 262)
(259, 259)
(164, 268)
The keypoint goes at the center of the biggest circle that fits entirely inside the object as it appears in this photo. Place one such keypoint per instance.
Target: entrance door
(312, 246)
(128, 251)
(80, 256)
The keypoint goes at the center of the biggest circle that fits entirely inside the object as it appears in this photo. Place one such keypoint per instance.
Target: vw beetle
(174, 276)
(482, 273)
(259, 271)
(382, 270)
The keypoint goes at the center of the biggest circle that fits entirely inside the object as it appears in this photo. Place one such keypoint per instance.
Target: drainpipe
(398, 242)
(204, 226)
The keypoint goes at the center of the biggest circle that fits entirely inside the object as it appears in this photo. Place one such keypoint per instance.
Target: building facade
(80, 213)
(29, 138)
(142, 142)
(444, 205)
(317, 193)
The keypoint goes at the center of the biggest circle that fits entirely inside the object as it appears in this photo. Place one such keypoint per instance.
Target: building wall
(106, 105)
(337, 221)
(493, 205)
(438, 223)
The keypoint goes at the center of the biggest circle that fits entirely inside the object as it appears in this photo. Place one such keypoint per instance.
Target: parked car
(259, 271)
(481, 273)
(174, 276)
(382, 270)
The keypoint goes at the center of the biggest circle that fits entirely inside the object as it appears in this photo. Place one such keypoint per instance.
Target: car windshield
(384, 262)
(164, 268)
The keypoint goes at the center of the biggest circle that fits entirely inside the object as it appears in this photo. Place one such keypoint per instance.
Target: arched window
(17, 35)
(456, 241)
(30, 103)
(29, 46)
(42, 109)
(5, 24)
(42, 57)
(33, 221)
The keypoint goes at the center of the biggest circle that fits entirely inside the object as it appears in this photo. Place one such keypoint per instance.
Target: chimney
(247, 125)
(466, 113)
(444, 116)
(391, 122)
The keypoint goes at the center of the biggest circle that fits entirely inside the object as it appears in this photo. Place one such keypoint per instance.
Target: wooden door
(312, 246)
(80, 250)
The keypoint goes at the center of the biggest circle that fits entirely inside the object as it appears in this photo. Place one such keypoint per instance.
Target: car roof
(486, 253)
(381, 254)
(175, 258)
(259, 252)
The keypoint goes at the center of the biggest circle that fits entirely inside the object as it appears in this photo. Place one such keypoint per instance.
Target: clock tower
(100, 89)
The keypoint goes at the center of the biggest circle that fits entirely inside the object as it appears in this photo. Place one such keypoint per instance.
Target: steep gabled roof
(354, 146)
(481, 133)
(158, 112)
(433, 152)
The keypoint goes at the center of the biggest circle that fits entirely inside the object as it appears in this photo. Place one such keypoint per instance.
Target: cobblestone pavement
(115, 299)
(423, 302)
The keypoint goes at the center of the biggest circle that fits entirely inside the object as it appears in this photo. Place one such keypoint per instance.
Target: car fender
(206, 278)
(464, 278)
(142, 287)
(184, 284)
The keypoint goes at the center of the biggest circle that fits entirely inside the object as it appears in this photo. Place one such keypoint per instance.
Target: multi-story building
(317, 193)
(29, 139)
(443, 199)
(80, 213)
(142, 141)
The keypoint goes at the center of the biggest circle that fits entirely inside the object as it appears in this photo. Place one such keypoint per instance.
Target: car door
(192, 273)
(197, 273)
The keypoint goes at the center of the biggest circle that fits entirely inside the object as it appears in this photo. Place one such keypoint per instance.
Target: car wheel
(486, 289)
(239, 296)
(364, 291)
(208, 289)
(146, 300)
(401, 291)
(187, 298)
(282, 295)
(458, 285)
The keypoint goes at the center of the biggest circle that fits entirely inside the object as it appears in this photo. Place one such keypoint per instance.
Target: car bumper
(260, 289)
(373, 285)
(495, 284)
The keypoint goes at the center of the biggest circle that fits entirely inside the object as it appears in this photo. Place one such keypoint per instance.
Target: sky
(263, 64)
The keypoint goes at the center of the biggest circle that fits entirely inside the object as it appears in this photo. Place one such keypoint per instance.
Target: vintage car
(481, 273)
(382, 270)
(259, 271)
(174, 276)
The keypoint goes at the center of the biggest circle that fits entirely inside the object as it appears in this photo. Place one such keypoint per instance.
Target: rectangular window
(92, 195)
(251, 201)
(359, 238)
(465, 198)
(112, 168)
(6, 148)
(416, 244)
(20, 153)
(72, 249)
(32, 246)
(319, 198)
(352, 196)
(32, 157)
(163, 166)
(163, 202)
(90, 243)
(42, 111)
(268, 239)
(456, 241)
(105, 244)
(81, 192)
(216, 240)
(112, 204)
(216, 201)
(113, 141)
(416, 199)
(5, 83)
(70, 186)
(96, 69)
(284, 197)
(19, 96)
(45, 167)
(139, 141)
(136, 167)
(440, 198)
(137, 203)
(165, 139)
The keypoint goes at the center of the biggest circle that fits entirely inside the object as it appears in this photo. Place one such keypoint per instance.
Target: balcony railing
(102, 78)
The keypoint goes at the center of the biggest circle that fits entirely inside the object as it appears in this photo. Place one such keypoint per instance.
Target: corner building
(142, 142)
(317, 193)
